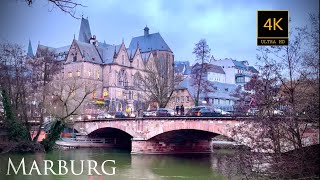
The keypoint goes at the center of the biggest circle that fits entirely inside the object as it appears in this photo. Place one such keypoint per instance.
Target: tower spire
(85, 32)
(30, 51)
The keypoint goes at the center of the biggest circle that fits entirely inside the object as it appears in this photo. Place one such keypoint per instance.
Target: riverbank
(21, 147)
(302, 163)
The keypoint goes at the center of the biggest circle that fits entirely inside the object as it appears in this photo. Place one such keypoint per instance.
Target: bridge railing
(90, 140)
(166, 118)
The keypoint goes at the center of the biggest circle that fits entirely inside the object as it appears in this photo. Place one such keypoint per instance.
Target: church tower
(30, 51)
(84, 33)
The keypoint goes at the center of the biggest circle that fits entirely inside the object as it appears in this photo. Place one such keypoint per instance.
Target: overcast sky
(229, 26)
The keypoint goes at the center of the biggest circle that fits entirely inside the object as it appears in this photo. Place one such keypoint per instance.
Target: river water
(127, 166)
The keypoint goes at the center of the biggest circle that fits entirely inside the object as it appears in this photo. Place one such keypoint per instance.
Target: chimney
(146, 31)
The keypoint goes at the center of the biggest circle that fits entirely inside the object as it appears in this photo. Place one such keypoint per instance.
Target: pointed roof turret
(146, 31)
(30, 51)
(84, 33)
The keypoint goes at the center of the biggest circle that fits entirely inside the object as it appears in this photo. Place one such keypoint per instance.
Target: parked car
(120, 115)
(163, 112)
(203, 111)
(222, 112)
(252, 111)
(104, 116)
(149, 114)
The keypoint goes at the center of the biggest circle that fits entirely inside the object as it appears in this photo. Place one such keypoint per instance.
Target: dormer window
(75, 57)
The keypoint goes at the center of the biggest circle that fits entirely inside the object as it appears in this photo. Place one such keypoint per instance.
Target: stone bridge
(164, 135)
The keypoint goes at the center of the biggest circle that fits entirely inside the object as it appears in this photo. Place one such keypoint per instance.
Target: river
(167, 167)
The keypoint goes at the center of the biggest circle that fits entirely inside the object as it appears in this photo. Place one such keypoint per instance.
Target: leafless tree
(202, 53)
(68, 96)
(288, 82)
(67, 6)
(13, 78)
(158, 82)
(43, 68)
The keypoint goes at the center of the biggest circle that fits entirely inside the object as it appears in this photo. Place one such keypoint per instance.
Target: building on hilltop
(115, 69)
(225, 76)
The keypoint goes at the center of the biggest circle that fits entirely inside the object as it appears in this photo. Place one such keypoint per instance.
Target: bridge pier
(141, 146)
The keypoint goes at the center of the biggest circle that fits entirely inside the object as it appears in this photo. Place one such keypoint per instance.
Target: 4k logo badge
(273, 28)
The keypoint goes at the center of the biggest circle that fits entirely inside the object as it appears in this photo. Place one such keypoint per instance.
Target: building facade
(225, 77)
(115, 70)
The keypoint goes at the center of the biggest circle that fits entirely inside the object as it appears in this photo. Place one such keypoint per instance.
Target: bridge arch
(221, 129)
(89, 127)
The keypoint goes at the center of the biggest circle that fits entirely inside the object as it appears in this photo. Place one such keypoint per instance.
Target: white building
(236, 72)
(216, 74)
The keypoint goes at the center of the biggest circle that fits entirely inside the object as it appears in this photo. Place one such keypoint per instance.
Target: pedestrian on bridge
(177, 110)
(181, 110)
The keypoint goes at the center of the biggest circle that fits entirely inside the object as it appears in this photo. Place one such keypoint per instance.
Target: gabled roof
(107, 51)
(59, 53)
(216, 69)
(253, 70)
(84, 33)
(220, 91)
(145, 56)
(149, 43)
(89, 52)
(239, 64)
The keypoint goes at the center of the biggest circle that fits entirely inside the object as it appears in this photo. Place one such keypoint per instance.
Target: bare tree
(13, 78)
(68, 97)
(288, 82)
(43, 68)
(202, 53)
(65, 99)
(158, 82)
(67, 6)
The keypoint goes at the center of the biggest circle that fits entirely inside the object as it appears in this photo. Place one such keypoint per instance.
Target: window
(98, 74)
(89, 73)
(187, 98)
(215, 88)
(138, 62)
(94, 94)
(105, 93)
(78, 73)
(69, 74)
(122, 59)
(119, 93)
(75, 57)
(182, 98)
(226, 89)
(122, 78)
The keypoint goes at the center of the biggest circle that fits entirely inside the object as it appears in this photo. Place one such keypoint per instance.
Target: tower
(84, 33)
(30, 51)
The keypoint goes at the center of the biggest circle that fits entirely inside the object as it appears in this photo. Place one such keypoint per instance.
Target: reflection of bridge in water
(160, 134)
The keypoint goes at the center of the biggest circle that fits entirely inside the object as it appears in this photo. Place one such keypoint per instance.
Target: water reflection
(183, 166)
